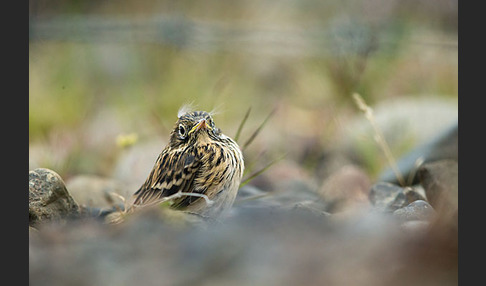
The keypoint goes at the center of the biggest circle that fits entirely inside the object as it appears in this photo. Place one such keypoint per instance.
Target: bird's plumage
(198, 159)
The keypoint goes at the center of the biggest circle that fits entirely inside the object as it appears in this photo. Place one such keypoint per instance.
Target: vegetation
(91, 82)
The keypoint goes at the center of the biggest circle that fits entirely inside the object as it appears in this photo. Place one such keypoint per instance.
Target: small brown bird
(200, 169)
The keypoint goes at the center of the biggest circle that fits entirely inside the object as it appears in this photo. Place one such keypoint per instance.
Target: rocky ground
(348, 230)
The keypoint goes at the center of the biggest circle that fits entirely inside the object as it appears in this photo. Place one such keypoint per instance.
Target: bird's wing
(174, 171)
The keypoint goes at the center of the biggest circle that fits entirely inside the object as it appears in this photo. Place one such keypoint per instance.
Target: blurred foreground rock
(292, 235)
(49, 198)
(440, 181)
(284, 186)
(296, 197)
(256, 247)
(417, 210)
(387, 197)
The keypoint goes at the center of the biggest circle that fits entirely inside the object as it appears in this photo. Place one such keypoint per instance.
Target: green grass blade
(237, 136)
(253, 175)
(255, 133)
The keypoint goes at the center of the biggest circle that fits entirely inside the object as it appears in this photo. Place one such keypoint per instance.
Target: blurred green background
(101, 69)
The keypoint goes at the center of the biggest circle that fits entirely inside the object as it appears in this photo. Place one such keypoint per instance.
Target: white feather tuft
(216, 110)
(185, 108)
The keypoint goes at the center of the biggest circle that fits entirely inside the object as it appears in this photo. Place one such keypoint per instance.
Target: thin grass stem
(255, 133)
(253, 175)
(238, 132)
(379, 138)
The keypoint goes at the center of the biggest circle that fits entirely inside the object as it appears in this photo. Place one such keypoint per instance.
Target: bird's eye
(182, 131)
(211, 122)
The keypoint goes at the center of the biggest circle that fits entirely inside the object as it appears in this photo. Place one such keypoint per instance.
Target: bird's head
(193, 127)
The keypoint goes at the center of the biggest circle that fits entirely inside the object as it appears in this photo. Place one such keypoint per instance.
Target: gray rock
(443, 146)
(48, 197)
(440, 181)
(387, 197)
(417, 210)
(252, 197)
(248, 192)
(257, 247)
(313, 207)
(415, 226)
(294, 191)
(297, 196)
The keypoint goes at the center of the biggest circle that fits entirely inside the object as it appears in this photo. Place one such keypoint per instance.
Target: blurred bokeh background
(105, 72)
(106, 79)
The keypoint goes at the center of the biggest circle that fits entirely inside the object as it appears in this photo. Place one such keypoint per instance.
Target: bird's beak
(201, 124)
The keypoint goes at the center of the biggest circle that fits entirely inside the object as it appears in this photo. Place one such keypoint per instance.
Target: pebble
(417, 210)
(387, 197)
